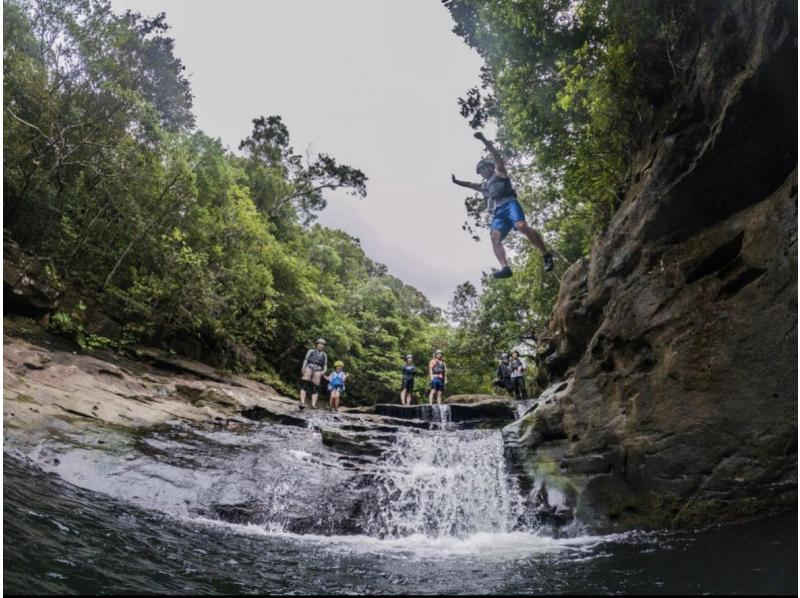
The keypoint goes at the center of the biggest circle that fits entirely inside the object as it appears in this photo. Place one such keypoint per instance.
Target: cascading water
(438, 415)
(451, 483)
(522, 407)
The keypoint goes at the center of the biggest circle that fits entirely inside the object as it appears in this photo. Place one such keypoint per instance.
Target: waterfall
(445, 484)
(440, 415)
(522, 407)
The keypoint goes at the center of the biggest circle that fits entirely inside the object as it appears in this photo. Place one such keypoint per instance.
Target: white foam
(301, 455)
(484, 546)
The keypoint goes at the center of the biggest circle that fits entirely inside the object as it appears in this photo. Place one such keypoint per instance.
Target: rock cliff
(671, 355)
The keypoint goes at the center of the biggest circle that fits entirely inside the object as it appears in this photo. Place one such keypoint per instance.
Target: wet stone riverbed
(279, 509)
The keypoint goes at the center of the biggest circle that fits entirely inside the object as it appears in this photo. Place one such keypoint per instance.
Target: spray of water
(445, 484)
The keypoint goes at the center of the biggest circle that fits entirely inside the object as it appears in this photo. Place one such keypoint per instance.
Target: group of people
(437, 372)
(507, 214)
(314, 369)
(510, 376)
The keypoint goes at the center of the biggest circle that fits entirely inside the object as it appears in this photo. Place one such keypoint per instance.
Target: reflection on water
(63, 539)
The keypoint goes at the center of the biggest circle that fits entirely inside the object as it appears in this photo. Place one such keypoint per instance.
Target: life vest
(409, 371)
(337, 380)
(318, 359)
(438, 368)
(496, 189)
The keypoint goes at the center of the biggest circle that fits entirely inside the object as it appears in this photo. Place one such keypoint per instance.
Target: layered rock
(677, 337)
(489, 411)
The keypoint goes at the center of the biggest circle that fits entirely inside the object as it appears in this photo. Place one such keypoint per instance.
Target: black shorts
(408, 384)
(309, 386)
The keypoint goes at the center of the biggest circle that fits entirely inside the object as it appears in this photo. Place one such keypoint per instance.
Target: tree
(463, 304)
(285, 185)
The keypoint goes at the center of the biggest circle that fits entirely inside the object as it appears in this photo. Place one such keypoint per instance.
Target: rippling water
(59, 538)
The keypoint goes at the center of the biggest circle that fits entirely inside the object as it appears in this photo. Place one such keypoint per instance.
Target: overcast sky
(372, 82)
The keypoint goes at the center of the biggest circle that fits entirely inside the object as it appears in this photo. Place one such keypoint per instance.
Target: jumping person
(336, 384)
(518, 376)
(407, 388)
(501, 200)
(438, 373)
(314, 366)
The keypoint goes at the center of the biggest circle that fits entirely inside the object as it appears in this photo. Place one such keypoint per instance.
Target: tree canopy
(164, 236)
(568, 84)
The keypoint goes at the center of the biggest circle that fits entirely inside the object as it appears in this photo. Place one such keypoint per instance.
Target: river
(271, 509)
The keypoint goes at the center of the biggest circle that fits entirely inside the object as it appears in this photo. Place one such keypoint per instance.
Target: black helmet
(482, 163)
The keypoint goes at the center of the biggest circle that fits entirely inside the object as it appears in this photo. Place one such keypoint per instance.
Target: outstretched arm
(467, 184)
(499, 164)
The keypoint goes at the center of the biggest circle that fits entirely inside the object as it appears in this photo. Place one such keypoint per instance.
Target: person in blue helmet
(501, 200)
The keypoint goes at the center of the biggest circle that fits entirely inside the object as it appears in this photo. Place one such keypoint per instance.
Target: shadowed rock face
(27, 285)
(678, 334)
(492, 412)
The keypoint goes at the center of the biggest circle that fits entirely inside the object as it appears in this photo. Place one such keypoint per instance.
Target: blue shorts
(506, 215)
(437, 384)
(339, 389)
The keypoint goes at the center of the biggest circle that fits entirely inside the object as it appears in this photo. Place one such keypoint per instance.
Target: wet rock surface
(180, 437)
(678, 335)
(490, 412)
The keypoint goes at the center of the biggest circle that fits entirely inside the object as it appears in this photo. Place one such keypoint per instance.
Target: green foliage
(284, 185)
(72, 325)
(178, 241)
(568, 84)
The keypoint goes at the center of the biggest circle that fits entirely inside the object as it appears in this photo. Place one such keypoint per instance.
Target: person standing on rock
(407, 387)
(336, 384)
(504, 373)
(518, 376)
(314, 366)
(438, 373)
(501, 201)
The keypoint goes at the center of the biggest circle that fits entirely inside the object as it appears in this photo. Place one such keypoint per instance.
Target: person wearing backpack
(503, 379)
(314, 367)
(501, 201)
(438, 373)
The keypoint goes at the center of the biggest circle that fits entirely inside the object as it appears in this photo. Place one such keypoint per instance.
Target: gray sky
(375, 84)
